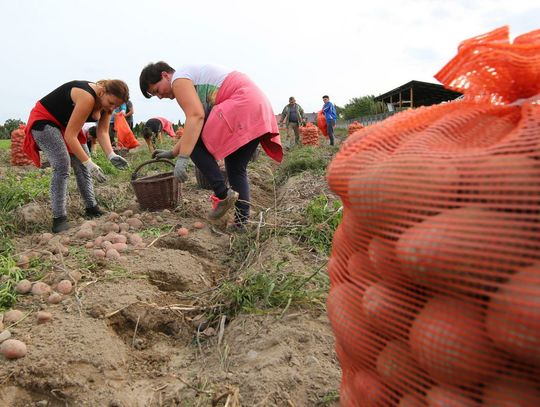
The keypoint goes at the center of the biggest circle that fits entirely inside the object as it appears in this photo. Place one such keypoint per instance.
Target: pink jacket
(241, 114)
(167, 126)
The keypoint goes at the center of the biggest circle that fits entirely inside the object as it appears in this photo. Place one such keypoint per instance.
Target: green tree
(8, 127)
(362, 106)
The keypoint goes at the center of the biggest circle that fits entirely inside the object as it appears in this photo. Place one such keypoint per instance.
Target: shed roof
(417, 93)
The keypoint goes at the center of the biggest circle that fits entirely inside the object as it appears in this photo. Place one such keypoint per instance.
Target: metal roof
(417, 93)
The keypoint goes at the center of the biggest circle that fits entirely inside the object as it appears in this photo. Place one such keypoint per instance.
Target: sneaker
(221, 206)
(94, 212)
(60, 224)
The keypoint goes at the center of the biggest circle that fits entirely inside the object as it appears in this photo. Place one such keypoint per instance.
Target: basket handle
(157, 160)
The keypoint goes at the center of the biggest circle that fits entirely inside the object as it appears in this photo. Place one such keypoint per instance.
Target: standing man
(293, 116)
(129, 114)
(330, 115)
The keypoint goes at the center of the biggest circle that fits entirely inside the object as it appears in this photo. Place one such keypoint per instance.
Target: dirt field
(155, 329)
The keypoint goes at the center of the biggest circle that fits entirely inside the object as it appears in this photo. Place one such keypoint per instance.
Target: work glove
(95, 171)
(180, 168)
(163, 154)
(118, 161)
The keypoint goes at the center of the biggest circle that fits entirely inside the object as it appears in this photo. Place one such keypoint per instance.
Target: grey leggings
(51, 142)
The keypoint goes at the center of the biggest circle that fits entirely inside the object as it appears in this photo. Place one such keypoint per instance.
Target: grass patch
(10, 275)
(321, 221)
(155, 231)
(329, 398)
(5, 144)
(302, 159)
(18, 190)
(265, 290)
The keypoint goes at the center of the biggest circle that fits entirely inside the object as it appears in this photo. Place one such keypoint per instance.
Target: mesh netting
(18, 156)
(435, 269)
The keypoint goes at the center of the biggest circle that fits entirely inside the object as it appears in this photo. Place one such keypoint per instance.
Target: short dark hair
(151, 74)
(147, 132)
(325, 97)
(92, 131)
(291, 98)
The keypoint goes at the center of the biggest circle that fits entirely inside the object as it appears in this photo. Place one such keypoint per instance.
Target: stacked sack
(353, 127)
(18, 156)
(435, 269)
(309, 135)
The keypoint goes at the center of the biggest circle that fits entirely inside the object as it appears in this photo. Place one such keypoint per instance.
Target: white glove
(95, 171)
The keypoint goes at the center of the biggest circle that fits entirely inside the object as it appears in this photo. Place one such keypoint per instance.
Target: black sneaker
(60, 224)
(94, 212)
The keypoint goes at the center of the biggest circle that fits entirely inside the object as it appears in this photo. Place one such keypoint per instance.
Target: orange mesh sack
(354, 127)
(321, 123)
(18, 156)
(309, 135)
(435, 269)
(126, 138)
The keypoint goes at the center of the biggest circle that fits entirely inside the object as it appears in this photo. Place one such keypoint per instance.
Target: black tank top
(59, 102)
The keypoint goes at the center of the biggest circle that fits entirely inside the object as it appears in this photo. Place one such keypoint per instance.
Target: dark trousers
(330, 124)
(236, 166)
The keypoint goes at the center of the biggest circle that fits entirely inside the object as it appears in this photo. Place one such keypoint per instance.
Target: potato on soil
(43, 317)
(98, 253)
(13, 349)
(198, 225)
(112, 254)
(13, 315)
(54, 298)
(23, 287)
(182, 231)
(41, 288)
(64, 287)
(85, 233)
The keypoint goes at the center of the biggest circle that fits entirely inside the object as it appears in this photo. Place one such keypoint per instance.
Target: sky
(305, 49)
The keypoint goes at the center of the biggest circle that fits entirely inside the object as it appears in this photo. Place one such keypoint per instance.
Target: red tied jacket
(29, 146)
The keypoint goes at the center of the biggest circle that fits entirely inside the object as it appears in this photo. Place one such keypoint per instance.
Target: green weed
(329, 399)
(270, 289)
(302, 159)
(321, 221)
(10, 275)
(5, 144)
(18, 190)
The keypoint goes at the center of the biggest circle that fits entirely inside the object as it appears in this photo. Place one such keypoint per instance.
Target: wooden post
(411, 97)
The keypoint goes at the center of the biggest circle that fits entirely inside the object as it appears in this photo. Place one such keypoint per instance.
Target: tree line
(355, 108)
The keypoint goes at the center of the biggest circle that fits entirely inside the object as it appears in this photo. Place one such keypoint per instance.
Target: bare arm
(186, 96)
(102, 133)
(84, 104)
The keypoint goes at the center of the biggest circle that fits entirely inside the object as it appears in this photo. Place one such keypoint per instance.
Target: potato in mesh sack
(442, 205)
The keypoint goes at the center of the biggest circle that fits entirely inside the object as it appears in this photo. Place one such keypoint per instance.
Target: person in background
(330, 115)
(129, 114)
(227, 116)
(153, 131)
(91, 137)
(55, 127)
(292, 117)
(112, 133)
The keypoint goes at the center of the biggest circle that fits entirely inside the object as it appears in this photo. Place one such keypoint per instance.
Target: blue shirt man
(330, 115)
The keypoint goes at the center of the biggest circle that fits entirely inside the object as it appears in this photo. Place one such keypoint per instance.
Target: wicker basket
(156, 192)
(203, 183)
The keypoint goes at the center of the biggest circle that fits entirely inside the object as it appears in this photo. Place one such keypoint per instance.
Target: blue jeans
(330, 124)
